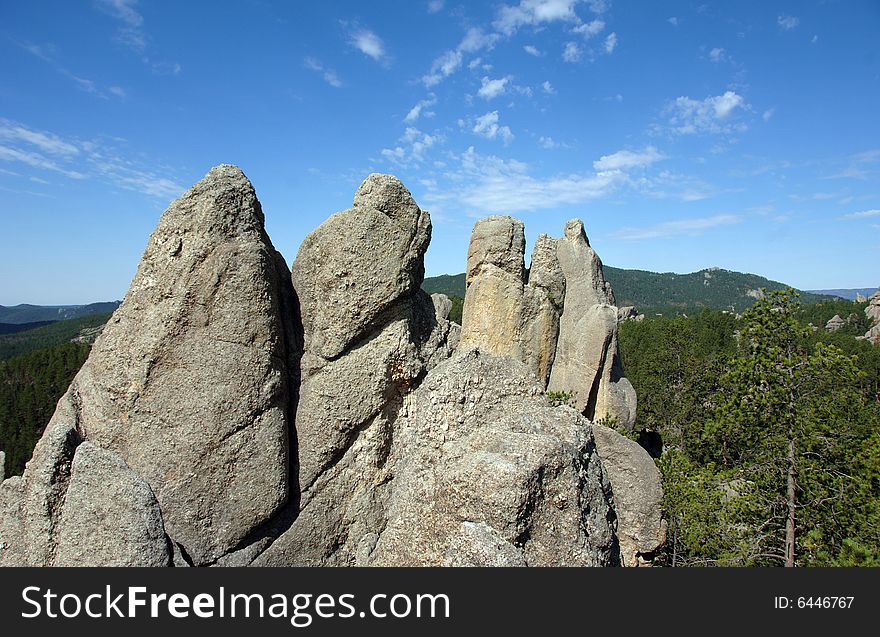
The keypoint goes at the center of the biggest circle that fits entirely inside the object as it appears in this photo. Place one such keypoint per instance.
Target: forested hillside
(52, 334)
(665, 293)
(30, 385)
(770, 435)
(25, 313)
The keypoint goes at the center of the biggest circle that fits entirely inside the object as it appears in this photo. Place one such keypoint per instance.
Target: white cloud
(487, 126)
(130, 34)
(864, 214)
(449, 62)
(627, 159)
(548, 88)
(689, 116)
(768, 114)
(787, 22)
(99, 159)
(123, 10)
(36, 160)
(692, 227)
(534, 12)
(118, 91)
(46, 142)
(673, 21)
(532, 50)
(815, 39)
(476, 39)
(413, 145)
(493, 88)
(717, 55)
(549, 143)
(435, 5)
(369, 44)
(329, 75)
(416, 111)
(571, 53)
(610, 42)
(589, 29)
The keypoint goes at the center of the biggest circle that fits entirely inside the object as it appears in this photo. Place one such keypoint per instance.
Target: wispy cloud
(435, 6)
(711, 115)
(610, 43)
(547, 87)
(787, 22)
(488, 126)
(534, 12)
(411, 148)
(46, 142)
(77, 159)
(329, 75)
(532, 50)
(691, 227)
(419, 109)
(864, 214)
(717, 55)
(369, 44)
(474, 40)
(48, 53)
(627, 159)
(590, 29)
(491, 89)
(571, 52)
(132, 35)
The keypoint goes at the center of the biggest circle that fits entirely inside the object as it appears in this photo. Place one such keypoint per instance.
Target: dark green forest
(769, 432)
(56, 333)
(30, 385)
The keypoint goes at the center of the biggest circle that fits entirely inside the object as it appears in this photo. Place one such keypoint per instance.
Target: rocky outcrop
(110, 516)
(2, 466)
(486, 473)
(189, 383)
(835, 323)
(637, 495)
(587, 354)
(236, 413)
(357, 372)
(872, 312)
(561, 322)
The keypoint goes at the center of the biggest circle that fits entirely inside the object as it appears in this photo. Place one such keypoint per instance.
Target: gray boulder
(637, 491)
(587, 362)
(110, 516)
(835, 323)
(189, 382)
(351, 398)
(359, 263)
(486, 473)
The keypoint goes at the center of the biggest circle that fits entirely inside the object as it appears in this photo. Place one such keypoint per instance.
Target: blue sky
(686, 135)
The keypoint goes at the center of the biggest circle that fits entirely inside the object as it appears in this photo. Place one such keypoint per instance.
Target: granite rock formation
(234, 412)
(561, 319)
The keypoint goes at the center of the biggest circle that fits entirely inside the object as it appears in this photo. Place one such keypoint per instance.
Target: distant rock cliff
(233, 412)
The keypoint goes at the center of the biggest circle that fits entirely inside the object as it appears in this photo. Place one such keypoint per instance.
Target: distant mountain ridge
(26, 313)
(712, 288)
(846, 293)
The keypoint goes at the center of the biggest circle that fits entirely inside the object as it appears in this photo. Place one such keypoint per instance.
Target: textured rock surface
(487, 473)
(2, 466)
(493, 303)
(502, 313)
(834, 323)
(189, 383)
(358, 263)
(637, 495)
(110, 516)
(349, 403)
(587, 361)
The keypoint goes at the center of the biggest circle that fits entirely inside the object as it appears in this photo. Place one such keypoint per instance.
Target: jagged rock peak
(189, 384)
(497, 241)
(359, 263)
